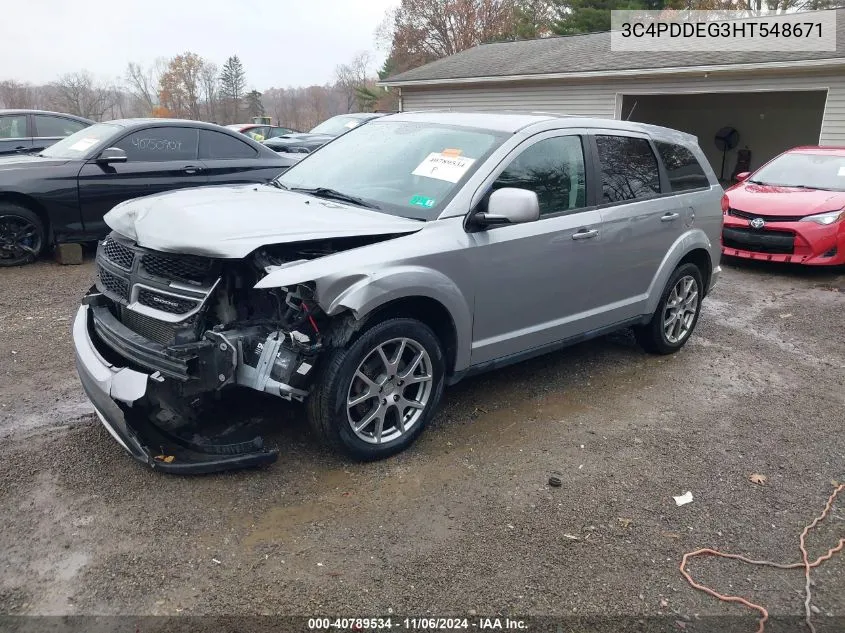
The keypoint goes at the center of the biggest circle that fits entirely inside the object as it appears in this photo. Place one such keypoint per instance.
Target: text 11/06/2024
(417, 624)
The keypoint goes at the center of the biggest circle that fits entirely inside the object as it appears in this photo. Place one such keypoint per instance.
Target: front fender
(686, 243)
(364, 291)
(384, 286)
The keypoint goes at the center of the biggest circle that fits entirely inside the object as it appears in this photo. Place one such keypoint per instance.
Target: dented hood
(231, 222)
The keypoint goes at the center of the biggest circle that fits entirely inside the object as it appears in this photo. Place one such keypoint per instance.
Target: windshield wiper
(333, 194)
(277, 185)
(807, 187)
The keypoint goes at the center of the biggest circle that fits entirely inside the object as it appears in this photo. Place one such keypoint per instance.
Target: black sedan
(306, 142)
(62, 193)
(33, 130)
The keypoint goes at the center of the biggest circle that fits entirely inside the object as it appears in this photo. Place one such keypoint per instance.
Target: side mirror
(509, 206)
(111, 155)
(743, 175)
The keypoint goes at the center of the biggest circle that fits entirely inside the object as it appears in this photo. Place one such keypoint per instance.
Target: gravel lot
(465, 520)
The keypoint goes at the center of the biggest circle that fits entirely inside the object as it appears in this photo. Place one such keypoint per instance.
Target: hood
(231, 222)
(28, 161)
(788, 201)
(298, 140)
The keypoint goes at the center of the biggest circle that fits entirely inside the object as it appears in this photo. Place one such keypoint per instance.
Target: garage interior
(767, 123)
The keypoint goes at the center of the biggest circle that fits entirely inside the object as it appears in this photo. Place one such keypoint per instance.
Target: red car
(792, 209)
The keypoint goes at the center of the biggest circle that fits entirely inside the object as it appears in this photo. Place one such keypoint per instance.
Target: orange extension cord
(805, 564)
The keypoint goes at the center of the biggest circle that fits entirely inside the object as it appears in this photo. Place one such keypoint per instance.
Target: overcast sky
(280, 42)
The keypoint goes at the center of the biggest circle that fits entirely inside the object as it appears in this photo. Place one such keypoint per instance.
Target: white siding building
(774, 100)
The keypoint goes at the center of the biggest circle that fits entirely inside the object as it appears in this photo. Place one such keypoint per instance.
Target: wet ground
(465, 520)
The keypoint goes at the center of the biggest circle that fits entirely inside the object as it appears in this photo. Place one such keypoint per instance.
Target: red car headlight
(829, 217)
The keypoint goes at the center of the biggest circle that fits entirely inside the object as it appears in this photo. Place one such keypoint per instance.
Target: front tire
(22, 235)
(375, 397)
(676, 315)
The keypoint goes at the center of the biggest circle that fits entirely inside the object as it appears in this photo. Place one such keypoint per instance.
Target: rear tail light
(725, 203)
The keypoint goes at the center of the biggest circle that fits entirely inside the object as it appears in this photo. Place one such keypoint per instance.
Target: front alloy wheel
(389, 391)
(374, 396)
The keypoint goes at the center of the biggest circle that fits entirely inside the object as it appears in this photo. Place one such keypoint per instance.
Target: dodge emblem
(757, 223)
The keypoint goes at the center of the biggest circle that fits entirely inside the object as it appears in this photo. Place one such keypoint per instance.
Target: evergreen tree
(232, 85)
(254, 106)
(588, 16)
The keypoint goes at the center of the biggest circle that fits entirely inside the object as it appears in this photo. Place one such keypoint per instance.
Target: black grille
(745, 215)
(112, 284)
(118, 254)
(776, 242)
(181, 267)
(148, 327)
(165, 302)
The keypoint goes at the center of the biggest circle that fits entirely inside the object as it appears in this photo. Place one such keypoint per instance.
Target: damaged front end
(162, 336)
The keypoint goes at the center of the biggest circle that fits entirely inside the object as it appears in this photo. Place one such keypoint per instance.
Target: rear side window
(219, 146)
(684, 171)
(628, 168)
(56, 126)
(160, 144)
(13, 126)
(553, 169)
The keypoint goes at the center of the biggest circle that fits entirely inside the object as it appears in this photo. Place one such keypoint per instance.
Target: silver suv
(401, 257)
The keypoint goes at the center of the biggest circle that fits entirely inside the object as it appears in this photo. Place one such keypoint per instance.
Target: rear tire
(676, 315)
(374, 397)
(22, 235)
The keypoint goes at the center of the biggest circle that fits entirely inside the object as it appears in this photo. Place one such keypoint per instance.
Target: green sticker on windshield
(422, 201)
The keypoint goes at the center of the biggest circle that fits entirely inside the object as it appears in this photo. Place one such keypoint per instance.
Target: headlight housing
(828, 217)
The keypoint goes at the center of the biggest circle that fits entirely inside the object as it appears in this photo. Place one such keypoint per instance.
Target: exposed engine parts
(203, 326)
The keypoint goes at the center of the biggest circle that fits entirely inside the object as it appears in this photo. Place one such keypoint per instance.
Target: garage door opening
(768, 123)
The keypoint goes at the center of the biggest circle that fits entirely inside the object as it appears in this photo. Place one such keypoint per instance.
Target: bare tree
(421, 31)
(14, 94)
(209, 78)
(143, 84)
(81, 94)
(352, 77)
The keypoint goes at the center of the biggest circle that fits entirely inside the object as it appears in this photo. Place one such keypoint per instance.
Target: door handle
(585, 234)
(669, 217)
(191, 169)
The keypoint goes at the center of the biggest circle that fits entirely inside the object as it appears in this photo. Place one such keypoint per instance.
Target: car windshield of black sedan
(337, 125)
(79, 144)
(811, 171)
(402, 168)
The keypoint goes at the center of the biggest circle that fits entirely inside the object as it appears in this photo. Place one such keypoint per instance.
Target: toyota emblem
(757, 223)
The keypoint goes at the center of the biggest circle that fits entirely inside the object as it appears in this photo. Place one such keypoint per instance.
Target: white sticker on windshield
(443, 167)
(351, 124)
(841, 171)
(82, 144)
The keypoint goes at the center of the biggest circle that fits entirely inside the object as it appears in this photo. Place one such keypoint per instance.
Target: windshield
(402, 168)
(337, 125)
(814, 171)
(80, 143)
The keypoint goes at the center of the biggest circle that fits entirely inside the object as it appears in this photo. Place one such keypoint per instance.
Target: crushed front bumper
(114, 390)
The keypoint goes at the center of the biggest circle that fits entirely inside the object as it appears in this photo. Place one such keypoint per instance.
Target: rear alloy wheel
(375, 396)
(21, 235)
(676, 315)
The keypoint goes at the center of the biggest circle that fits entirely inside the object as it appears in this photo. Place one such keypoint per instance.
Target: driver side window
(553, 169)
